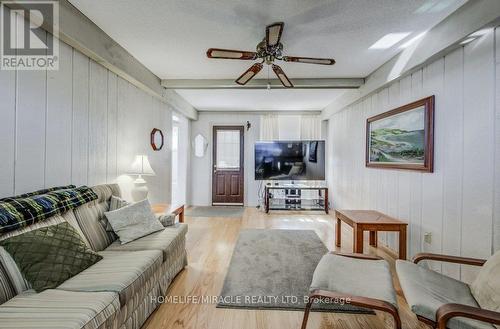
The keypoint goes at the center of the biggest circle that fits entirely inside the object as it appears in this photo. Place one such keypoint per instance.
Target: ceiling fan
(268, 50)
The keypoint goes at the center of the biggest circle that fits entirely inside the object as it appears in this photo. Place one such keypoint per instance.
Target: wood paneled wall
(81, 124)
(459, 204)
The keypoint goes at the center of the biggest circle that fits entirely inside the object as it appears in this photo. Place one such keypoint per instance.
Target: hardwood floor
(210, 243)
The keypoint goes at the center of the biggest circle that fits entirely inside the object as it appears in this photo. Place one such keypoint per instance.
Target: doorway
(228, 164)
(180, 152)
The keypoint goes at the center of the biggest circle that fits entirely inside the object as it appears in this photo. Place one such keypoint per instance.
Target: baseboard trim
(226, 204)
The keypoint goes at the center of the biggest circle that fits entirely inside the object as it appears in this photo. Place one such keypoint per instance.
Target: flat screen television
(290, 160)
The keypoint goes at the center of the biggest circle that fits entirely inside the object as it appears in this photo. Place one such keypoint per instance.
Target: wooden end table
(164, 208)
(372, 221)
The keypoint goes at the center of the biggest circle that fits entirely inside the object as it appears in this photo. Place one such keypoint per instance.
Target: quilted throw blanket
(21, 211)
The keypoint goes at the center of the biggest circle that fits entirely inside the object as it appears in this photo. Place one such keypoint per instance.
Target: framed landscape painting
(402, 138)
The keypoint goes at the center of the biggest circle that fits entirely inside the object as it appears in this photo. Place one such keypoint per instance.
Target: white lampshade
(141, 166)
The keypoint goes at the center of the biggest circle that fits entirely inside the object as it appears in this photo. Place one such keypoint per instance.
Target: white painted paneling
(392, 190)
(79, 125)
(496, 214)
(30, 130)
(404, 177)
(7, 133)
(432, 184)
(497, 161)
(455, 203)
(415, 233)
(112, 167)
(477, 210)
(59, 114)
(201, 173)
(98, 116)
(452, 157)
(80, 121)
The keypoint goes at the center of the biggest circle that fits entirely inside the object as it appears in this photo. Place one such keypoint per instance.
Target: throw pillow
(114, 204)
(133, 221)
(486, 287)
(50, 255)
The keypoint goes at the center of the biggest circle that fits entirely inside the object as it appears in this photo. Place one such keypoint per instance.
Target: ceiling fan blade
(230, 54)
(309, 60)
(249, 74)
(282, 76)
(273, 34)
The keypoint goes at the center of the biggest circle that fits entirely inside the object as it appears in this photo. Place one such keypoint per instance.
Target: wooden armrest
(448, 259)
(357, 256)
(449, 311)
(365, 302)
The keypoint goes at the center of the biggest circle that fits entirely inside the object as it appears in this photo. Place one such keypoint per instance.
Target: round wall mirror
(200, 145)
(157, 139)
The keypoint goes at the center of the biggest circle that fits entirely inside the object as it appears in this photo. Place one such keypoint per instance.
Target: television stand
(296, 197)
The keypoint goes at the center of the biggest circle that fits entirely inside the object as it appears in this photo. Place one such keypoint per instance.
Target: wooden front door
(227, 173)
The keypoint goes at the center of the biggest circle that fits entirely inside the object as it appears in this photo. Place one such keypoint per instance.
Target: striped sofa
(118, 292)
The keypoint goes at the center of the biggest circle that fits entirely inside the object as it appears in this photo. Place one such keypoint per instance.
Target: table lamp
(140, 167)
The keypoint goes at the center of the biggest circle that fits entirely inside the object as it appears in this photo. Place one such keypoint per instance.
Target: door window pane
(228, 149)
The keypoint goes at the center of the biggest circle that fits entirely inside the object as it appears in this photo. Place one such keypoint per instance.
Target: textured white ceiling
(171, 37)
(252, 99)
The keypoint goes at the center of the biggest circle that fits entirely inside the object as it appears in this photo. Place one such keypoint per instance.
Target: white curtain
(310, 127)
(269, 127)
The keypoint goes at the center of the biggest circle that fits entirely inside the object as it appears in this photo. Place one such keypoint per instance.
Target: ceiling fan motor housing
(269, 53)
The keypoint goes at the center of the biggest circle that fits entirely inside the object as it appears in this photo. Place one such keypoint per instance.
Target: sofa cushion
(486, 286)
(57, 309)
(355, 277)
(123, 273)
(90, 215)
(6, 287)
(164, 241)
(426, 290)
(50, 255)
(133, 221)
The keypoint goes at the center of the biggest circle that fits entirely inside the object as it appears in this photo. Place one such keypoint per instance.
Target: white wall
(201, 168)
(201, 175)
(81, 124)
(460, 202)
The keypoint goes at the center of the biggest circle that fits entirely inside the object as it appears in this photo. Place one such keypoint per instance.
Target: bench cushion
(123, 273)
(355, 277)
(164, 241)
(426, 290)
(58, 309)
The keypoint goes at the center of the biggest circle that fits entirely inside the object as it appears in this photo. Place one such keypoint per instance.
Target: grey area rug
(273, 269)
(235, 212)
